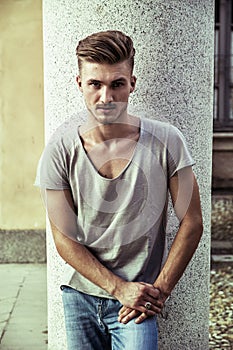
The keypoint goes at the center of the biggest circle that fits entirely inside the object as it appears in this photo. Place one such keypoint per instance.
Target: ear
(133, 83)
(79, 82)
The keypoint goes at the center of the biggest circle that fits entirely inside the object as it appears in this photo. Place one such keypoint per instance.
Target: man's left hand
(126, 314)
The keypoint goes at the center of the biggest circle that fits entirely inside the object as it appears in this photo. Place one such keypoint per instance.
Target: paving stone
(26, 328)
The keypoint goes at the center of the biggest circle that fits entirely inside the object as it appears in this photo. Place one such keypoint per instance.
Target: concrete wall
(21, 115)
(174, 65)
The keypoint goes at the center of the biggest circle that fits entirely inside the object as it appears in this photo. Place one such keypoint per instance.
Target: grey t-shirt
(121, 220)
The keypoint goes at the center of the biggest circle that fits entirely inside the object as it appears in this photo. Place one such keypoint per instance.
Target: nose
(106, 95)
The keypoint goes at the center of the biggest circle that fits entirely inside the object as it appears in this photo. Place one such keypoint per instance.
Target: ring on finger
(148, 305)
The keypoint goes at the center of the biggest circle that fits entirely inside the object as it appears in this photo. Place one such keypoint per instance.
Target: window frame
(223, 60)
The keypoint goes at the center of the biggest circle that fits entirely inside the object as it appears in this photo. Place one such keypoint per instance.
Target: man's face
(106, 89)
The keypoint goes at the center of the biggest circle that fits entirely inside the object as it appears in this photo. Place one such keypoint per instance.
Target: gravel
(221, 217)
(221, 308)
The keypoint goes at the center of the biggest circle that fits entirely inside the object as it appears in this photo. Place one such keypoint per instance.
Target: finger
(147, 284)
(154, 302)
(123, 309)
(156, 305)
(125, 313)
(141, 318)
(154, 309)
(154, 293)
(128, 317)
(151, 290)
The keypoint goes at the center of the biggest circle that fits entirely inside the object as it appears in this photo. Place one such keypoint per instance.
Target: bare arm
(62, 217)
(185, 197)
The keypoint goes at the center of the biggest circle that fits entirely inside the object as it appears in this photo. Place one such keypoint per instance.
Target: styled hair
(109, 47)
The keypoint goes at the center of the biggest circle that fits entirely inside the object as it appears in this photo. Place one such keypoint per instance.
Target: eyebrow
(93, 81)
(121, 79)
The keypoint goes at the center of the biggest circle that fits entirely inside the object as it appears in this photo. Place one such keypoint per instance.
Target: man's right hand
(135, 295)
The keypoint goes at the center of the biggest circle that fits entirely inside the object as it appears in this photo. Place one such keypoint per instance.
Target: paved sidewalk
(23, 307)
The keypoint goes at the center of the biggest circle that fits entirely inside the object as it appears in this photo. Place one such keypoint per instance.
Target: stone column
(174, 43)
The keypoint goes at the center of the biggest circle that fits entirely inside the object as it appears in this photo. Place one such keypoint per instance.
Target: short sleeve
(178, 154)
(52, 169)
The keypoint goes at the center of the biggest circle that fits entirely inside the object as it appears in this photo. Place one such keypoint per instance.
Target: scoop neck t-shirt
(121, 220)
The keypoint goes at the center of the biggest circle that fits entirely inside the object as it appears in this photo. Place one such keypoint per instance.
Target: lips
(106, 107)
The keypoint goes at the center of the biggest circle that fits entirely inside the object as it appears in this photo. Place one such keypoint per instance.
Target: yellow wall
(21, 113)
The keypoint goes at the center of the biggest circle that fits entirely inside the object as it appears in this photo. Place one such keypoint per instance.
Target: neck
(122, 128)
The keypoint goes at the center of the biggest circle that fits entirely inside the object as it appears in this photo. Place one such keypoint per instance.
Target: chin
(108, 116)
(107, 119)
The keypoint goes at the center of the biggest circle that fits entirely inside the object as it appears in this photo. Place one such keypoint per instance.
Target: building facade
(222, 178)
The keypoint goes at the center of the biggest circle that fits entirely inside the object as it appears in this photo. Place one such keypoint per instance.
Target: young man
(106, 185)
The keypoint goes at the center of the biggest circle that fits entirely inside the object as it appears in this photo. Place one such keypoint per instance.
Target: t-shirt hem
(97, 295)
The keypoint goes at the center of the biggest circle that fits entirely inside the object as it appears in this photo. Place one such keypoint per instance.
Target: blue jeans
(91, 324)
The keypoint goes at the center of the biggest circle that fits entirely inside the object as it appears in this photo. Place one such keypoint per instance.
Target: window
(223, 82)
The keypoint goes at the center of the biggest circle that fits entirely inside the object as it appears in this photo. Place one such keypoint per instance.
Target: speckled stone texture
(174, 65)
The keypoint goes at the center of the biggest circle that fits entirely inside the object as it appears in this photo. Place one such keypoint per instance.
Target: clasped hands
(135, 296)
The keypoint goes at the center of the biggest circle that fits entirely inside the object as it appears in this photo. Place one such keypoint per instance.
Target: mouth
(106, 107)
